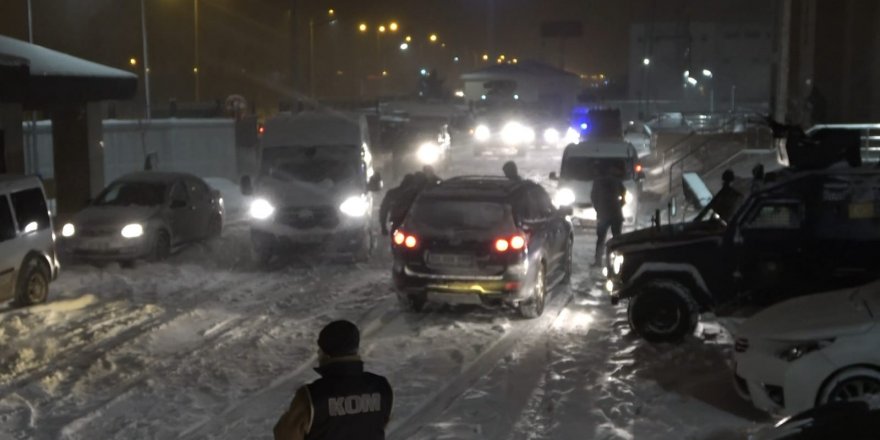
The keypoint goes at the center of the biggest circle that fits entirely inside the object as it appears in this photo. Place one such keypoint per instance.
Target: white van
(28, 261)
(315, 186)
(580, 165)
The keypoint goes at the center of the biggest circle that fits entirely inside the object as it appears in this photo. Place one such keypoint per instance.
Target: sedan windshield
(460, 215)
(132, 194)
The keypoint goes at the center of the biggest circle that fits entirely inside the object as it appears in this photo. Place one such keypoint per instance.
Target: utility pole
(197, 67)
(34, 159)
(782, 87)
(490, 28)
(146, 61)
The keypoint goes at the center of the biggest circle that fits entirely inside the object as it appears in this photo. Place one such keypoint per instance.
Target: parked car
(482, 240)
(28, 261)
(144, 215)
(804, 232)
(811, 351)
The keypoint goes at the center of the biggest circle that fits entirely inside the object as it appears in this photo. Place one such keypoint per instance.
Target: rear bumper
(489, 290)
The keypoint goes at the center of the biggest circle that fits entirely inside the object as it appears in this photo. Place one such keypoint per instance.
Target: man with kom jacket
(346, 402)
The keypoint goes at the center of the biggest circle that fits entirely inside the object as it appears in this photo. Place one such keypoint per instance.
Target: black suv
(482, 240)
(802, 233)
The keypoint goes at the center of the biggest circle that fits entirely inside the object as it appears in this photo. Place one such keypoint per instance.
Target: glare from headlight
(428, 153)
(571, 136)
(628, 198)
(528, 135)
(616, 262)
(482, 133)
(515, 133)
(133, 230)
(355, 206)
(261, 209)
(564, 197)
(551, 136)
(68, 230)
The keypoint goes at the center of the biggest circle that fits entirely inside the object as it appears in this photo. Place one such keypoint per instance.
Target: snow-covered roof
(40, 75)
(524, 68)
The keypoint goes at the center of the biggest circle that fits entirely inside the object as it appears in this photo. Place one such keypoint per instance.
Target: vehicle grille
(741, 345)
(97, 232)
(309, 217)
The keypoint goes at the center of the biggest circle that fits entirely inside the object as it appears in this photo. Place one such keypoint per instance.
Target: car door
(770, 248)
(182, 216)
(9, 252)
(201, 205)
(554, 224)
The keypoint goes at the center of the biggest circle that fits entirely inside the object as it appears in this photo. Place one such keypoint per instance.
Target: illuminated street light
(393, 26)
(692, 81)
(362, 27)
(382, 28)
(432, 38)
(707, 73)
(646, 61)
(404, 46)
(408, 39)
(132, 61)
(515, 61)
(331, 12)
(485, 57)
(384, 73)
(687, 74)
(195, 70)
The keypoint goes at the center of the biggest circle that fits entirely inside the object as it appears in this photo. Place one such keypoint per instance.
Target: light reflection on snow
(573, 320)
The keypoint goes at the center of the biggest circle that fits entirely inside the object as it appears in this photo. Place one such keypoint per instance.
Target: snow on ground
(207, 346)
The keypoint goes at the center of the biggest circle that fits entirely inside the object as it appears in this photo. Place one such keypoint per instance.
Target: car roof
(15, 182)
(155, 176)
(617, 149)
(493, 187)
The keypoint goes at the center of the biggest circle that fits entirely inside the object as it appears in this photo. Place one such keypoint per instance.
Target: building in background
(528, 81)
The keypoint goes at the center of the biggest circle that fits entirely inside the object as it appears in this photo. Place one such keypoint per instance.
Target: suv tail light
(517, 242)
(406, 240)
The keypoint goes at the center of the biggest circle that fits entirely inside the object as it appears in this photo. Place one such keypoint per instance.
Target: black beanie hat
(339, 338)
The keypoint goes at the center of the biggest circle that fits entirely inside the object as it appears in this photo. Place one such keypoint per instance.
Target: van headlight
(261, 209)
(514, 133)
(355, 206)
(68, 230)
(428, 153)
(800, 350)
(482, 133)
(616, 262)
(564, 197)
(551, 136)
(133, 230)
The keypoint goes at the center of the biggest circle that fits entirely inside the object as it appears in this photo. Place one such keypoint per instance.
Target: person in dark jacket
(608, 196)
(511, 171)
(346, 402)
(431, 175)
(394, 204)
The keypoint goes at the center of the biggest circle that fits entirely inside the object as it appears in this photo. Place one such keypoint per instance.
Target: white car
(811, 350)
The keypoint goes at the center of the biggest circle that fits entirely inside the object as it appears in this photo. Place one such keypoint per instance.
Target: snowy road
(204, 346)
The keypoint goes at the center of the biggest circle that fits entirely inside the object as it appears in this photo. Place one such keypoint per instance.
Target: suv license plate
(454, 298)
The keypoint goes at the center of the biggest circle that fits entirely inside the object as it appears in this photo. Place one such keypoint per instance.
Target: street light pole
(30, 23)
(146, 61)
(312, 57)
(33, 153)
(197, 67)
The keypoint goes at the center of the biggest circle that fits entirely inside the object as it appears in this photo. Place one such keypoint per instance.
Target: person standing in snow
(511, 171)
(346, 402)
(394, 204)
(608, 196)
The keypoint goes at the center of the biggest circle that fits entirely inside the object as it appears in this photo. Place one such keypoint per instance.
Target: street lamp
(433, 38)
(132, 61)
(708, 74)
(408, 39)
(404, 46)
(382, 28)
(362, 27)
(393, 26)
(646, 61)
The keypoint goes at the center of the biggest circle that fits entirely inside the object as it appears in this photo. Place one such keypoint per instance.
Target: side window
(31, 211)
(198, 191)
(7, 226)
(542, 203)
(776, 215)
(178, 194)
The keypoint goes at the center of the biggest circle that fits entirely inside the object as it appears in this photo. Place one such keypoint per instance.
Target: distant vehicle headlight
(512, 133)
(616, 262)
(800, 350)
(68, 230)
(261, 209)
(528, 135)
(428, 153)
(133, 230)
(355, 206)
(564, 197)
(482, 133)
(551, 136)
(628, 198)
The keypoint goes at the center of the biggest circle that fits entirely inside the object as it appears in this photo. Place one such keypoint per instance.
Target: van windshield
(589, 168)
(324, 165)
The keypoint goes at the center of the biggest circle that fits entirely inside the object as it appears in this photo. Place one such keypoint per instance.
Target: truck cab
(314, 188)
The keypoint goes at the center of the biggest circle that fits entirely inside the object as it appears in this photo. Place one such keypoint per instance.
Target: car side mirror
(375, 183)
(567, 211)
(553, 176)
(177, 204)
(247, 186)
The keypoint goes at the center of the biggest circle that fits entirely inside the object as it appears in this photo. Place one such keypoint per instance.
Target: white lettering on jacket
(351, 405)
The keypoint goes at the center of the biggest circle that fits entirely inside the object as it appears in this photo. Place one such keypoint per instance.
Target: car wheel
(161, 246)
(663, 311)
(412, 303)
(853, 385)
(534, 306)
(32, 286)
(215, 226)
(569, 261)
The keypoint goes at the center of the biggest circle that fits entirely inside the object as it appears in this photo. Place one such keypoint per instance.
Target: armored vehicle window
(776, 215)
(7, 227)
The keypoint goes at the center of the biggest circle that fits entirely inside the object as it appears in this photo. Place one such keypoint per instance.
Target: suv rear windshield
(589, 168)
(460, 215)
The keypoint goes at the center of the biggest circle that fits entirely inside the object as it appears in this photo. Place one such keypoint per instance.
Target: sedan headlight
(482, 133)
(616, 262)
(515, 133)
(428, 153)
(800, 350)
(564, 197)
(551, 136)
(261, 209)
(355, 206)
(133, 230)
(68, 230)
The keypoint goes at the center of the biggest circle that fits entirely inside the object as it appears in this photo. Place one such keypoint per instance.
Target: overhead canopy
(36, 76)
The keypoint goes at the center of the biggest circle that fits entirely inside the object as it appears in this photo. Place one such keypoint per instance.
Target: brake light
(517, 242)
(399, 238)
(410, 241)
(501, 245)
